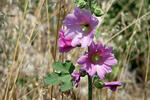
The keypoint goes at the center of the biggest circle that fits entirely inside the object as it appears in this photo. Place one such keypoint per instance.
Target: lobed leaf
(66, 67)
(66, 85)
(57, 78)
(53, 79)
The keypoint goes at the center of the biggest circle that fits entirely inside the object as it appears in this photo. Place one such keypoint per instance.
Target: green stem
(89, 1)
(89, 88)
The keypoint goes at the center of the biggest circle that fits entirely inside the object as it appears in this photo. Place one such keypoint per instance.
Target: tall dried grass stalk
(16, 50)
(147, 67)
(134, 22)
(27, 45)
(129, 47)
(57, 34)
(50, 55)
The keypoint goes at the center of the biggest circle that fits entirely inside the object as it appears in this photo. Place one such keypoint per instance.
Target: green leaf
(66, 67)
(76, 2)
(63, 77)
(53, 79)
(66, 85)
(57, 78)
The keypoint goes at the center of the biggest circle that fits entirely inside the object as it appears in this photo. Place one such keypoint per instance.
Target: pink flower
(76, 76)
(80, 27)
(112, 85)
(64, 44)
(99, 59)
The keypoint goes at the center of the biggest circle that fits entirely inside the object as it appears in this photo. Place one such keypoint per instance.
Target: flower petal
(64, 44)
(87, 40)
(92, 46)
(76, 40)
(89, 68)
(61, 42)
(92, 70)
(102, 70)
(94, 21)
(74, 23)
(108, 49)
(82, 59)
(70, 18)
(65, 49)
(72, 27)
(112, 85)
(111, 61)
(99, 46)
(79, 14)
(76, 76)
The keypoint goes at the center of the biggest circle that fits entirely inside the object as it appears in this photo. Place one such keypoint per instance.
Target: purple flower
(112, 85)
(80, 26)
(76, 76)
(64, 44)
(99, 59)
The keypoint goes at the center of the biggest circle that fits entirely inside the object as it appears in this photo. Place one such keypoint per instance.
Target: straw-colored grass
(29, 31)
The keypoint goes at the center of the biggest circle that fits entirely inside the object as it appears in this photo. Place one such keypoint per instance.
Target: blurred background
(28, 46)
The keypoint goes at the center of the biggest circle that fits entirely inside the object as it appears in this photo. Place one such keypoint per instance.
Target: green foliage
(66, 67)
(97, 10)
(98, 84)
(0, 25)
(94, 6)
(21, 81)
(64, 77)
(21, 4)
(1, 51)
(96, 77)
(97, 33)
(55, 78)
(66, 85)
(80, 3)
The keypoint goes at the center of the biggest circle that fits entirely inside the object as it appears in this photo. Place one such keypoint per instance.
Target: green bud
(82, 3)
(99, 84)
(98, 11)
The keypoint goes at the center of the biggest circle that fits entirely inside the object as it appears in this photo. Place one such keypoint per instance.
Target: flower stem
(89, 88)
(89, 1)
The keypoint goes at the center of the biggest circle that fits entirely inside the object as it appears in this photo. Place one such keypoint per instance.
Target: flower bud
(98, 11)
(98, 84)
(82, 3)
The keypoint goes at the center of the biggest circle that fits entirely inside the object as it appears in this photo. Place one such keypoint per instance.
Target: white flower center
(96, 58)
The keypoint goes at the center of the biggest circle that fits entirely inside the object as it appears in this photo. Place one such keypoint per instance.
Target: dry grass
(28, 46)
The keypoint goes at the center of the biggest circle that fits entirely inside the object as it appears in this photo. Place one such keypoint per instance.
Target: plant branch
(89, 88)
